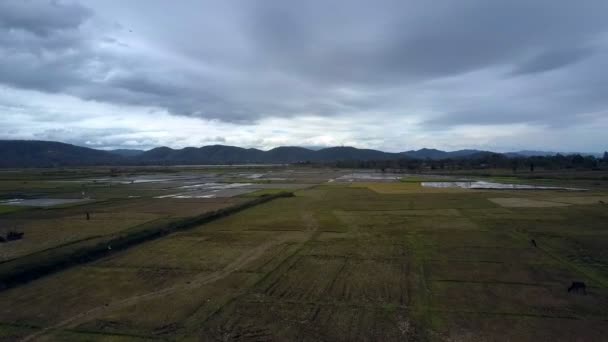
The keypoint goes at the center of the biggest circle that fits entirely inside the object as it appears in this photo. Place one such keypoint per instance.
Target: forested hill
(22, 153)
(30, 153)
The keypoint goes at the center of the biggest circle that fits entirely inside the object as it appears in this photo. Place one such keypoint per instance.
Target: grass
(35, 265)
(263, 192)
(5, 209)
(47, 228)
(383, 261)
(404, 188)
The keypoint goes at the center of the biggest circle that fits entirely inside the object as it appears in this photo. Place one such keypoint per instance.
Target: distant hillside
(20, 153)
(126, 152)
(220, 154)
(289, 154)
(214, 154)
(49, 154)
(427, 153)
(527, 153)
(351, 153)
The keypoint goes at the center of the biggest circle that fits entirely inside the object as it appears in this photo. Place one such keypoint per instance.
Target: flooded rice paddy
(210, 190)
(42, 202)
(493, 186)
(367, 177)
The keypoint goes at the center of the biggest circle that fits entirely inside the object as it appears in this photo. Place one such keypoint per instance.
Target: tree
(577, 159)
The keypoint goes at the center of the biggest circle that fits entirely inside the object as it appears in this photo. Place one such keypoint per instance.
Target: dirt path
(202, 279)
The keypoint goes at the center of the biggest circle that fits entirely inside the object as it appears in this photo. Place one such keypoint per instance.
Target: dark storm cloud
(560, 92)
(361, 41)
(40, 45)
(41, 17)
(242, 61)
(550, 60)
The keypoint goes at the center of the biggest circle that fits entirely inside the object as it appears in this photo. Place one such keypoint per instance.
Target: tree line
(483, 161)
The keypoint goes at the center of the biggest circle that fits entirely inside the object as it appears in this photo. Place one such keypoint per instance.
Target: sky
(393, 75)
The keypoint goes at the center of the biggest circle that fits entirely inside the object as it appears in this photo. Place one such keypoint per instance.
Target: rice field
(340, 261)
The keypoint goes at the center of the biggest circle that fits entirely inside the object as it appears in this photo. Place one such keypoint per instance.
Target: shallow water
(253, 175)
(210, 190)
(42, 202)
(491, 185)
(214, 186)
(133, 180)
(366, 177)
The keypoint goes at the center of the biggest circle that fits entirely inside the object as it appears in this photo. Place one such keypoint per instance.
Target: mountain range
(32, 153)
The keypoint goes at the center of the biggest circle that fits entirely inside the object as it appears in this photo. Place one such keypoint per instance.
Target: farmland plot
(339, 262)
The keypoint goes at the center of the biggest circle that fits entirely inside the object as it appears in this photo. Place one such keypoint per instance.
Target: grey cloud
(402, 41)
(42, 45)
(567, 96)
(48, 73)
(550, 60)
(96, 137)
(243, 61)
(41, 17)
(146, 85)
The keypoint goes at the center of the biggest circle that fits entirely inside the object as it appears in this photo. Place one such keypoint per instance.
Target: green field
(337, 262)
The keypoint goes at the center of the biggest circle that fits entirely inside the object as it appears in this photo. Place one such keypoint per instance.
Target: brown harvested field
(334, 263)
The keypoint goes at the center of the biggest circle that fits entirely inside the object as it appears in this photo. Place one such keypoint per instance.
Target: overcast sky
(385, 74)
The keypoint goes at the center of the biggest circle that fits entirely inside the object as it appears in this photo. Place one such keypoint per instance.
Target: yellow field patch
(518, 202)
